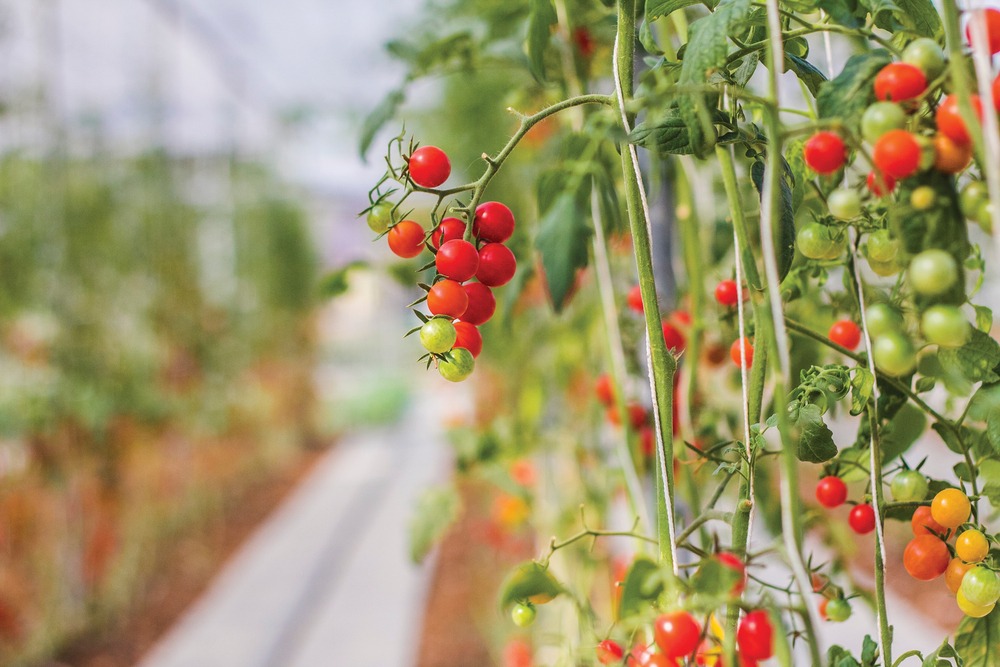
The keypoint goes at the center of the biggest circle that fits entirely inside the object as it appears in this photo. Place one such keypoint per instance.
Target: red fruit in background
(634, 299)
(923, 523)
(493, 222)
(406, 239)
(517, 653)
(450, 229)
(897, 82)
(991, 17)
(825, 152)
(845, 333)
(429, 166)
(496, 265)
(647, 441)
(949, 118)
(584, 41)
(447, 297)
(880, 184)
(831, 491)
(897, 154)
(677, 633)
(734, 562)
(681, 317)
(727, 293)
(734, 351)
(468, 337)
(604, 389)
(673, 337)
(609, 652)
(926, 557)
(457, 260)
(482, 303)
(755, 636)
(862, 519)
(522, 471)
(822, 609)
(996, 92)
(637, 415)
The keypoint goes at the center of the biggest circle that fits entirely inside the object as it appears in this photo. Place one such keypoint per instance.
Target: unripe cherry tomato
(755, 635)
(429, 166)
(844, 204)
(862, 519)
(923, 197)
(894, 353)
(969, 609)
(879, 118)
(406, 239)
(972, 546)
(493, 222)
(838, 610)
(438, 335)
(727, 293)
(932, 272)
(898, 82)
(882, 247)
(945, 326)
(677, 633)
(991, 17)
(951, 157)
(897, 154)
(955, 573)
(673, 337)
(909, 486)
(482, 303)
(379, 217)
(951, 508)
(734, 351)
(923, 523)
(816, 241)
(497, 265)
(457, 259)
(880, 184)
(468, 336)
(845, 333)
(450, 229)
(634, 299)
(926, 54)
(926, 557)
(447, 297)
(949, 118)
(457, 365)
(609, 652)
(825, 152)
(523, 615)
(980, 586)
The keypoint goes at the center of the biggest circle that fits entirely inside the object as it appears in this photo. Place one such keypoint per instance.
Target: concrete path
(326, 580)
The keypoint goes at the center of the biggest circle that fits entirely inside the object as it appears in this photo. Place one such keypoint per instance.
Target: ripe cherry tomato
(673, 337)
(496, 265)
(755, 635)
(735, 563)
(932, 272)
(845, 333)
(447, 297)
(406, 239)
(951, 508)
(926, 54)
(923, 523)
(493, 222)
(926, 557)
(831, 491)
(844, 204)
(450, 229)
(972, 546)
(482, 303)
(945, 326)
(862, 519)
(838, 610)
(894, 353)
(468, 336)
(429, 166)
(955, 573)
(727, 293)
(438, 335)
(457, 365)
(609, 652)
(951, 157)
(634, 299)
(825, 152)
(991, 17)
(880, 184)
(457, 260)
(734, 351)
(909, 486)
(897, 82)
(980, 586)
(881, 117)
(897, 154)
(380, 217)
(677, 633)
(604, 389)
(949, 118)
(523, 615)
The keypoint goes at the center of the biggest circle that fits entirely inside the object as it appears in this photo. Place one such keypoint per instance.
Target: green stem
(701, 519)
(908, 654)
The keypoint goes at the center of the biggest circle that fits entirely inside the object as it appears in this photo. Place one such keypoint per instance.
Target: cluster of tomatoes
(467, 266)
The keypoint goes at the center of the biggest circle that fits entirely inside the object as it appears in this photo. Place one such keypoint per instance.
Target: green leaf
(989, 476)
(862, 388)
(713, 579)
(977, 359)
(785, 234)
(948, 436)
(984, 318)
(837, 656)
(530, 581)
(993, 430)
(848, 94)
(815, 438)
(977, 640)
(334, 283)
(666, 133)
(920, 18)
(436, 511)
(379, 116)
(643, 584)
(806, 71)
(869, 652)
(541, 18)
(659, 8)
(900, 433)
(563, 241)
(884, 12)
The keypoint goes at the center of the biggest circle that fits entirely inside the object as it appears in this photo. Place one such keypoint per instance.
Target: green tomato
(457, 365)
(884, 269)
(909, 486)
(932, 272)
(981, 586)
(974, 195)
(926, 54)
(438, 335)
(380, 217)
(881, 117)
(928, 154)
(838, 610)
(882, 247)
(844, 204)
(883, 319)
(894, 354)
(814, 241)
(523, 615)
(945, 326)
(985, 217)
(923, 198)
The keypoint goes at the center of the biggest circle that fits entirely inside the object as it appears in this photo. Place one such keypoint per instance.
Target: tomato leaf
(530, 581)
(862, 388)
(436, 511)
(380, 115)
(785, 233)
(977, 640)
(900, 433)
(666, 133)
(714, 580)
(837, 656)
(541, 18)
(920, 17)
(984, 318)
(642, 585)
(334, 283)
(815, 441)
(848, 94)
(977, 359)
(563, 241)
(658, 8)
(806, 71)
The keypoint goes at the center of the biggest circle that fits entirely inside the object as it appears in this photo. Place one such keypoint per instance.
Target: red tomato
(517, 653)
(450, 229)
(447, 297)
(825, 152)
(727, 293)
(862, 519)
(429, 166)
(755, 636)
(406, 239)
(845, 333)
(677, 633)
(735, 563)
(996, 92)
(734, 351)
(949, 118)
(457, 260)
(897, 82)
(880, 184)
(634, 299)
(897, 154)
(647, 441)
(991, 17)
(673, 337)
(831, 491)
(609, 652)
(604, 389)
(926, 557)
(482, 303)
(468, 337)
(923, 523)
(950, 156)
(497, 265)
(637, 415)
(493, 222)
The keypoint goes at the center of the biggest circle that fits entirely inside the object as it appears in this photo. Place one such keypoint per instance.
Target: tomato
(406, 239)
(838, 610)
(482, 303)
(450, 229)
(898, 82)
(604, 389)
(882, 247)
(923, 197)
(927, 55)
(727, 293)
(926, 557)
(468, 337)
(457, 365)
(975, 611)
(879, 118)
(429, 166)
(932, 272)
(825, 152)
(447, 297)
(945, 326)
(880, 184)
(844, 204)
(815, 241)
(894, 353)
(980, 586)
(493, 222)
(923, 522)
(845, 333)
(457, 260)
(747, 351)
(673, 337)
(735, 563)
(634, 299)
(637, 415)
(955, 573)
(890, 268)
(496, 265)
(991, 18)
(862, 519)
(380, 217)
(755, 635)
(523, 615)
(951, 508)
(949, 118)
(517, 653)
(972, 546)
(996, 92)
(897, 154)
(950, 156)
(609, 652)
(677, 633)
(883, 319)
(974, 195)
(437, 335)
(647, 441)
(909, 486)
(831, 491)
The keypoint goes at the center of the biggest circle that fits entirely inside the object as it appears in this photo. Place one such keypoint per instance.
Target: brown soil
(185, 571)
